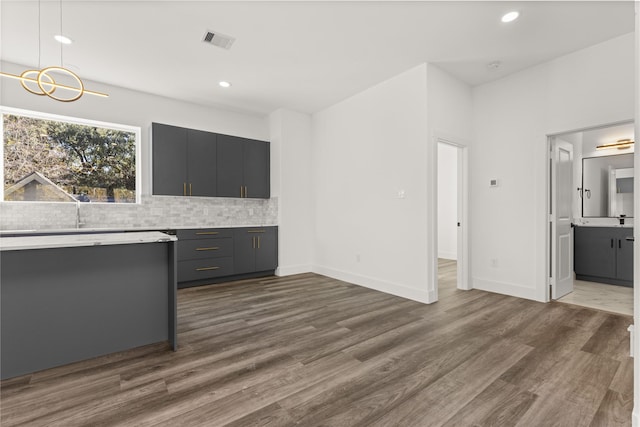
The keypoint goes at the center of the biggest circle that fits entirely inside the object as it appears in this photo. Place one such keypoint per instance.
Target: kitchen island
(67, 298)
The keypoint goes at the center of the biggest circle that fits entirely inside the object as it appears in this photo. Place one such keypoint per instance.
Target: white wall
(512, 119)
(291, 183)
(447, 201)
(367, 149)
(134, 108)
(450, 118)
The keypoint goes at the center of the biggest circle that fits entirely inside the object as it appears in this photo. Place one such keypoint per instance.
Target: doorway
(452, 216)
(590, 207)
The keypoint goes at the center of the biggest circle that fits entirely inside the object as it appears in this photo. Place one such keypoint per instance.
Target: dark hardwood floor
(312, 351)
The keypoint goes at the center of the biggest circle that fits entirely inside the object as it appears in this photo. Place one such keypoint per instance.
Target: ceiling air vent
(218, 39)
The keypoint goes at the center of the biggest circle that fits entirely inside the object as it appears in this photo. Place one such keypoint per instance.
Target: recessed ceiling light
(224, 84)
(62, 39)
(510, 17)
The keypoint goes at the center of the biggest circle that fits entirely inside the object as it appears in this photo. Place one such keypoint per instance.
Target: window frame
(80, 121)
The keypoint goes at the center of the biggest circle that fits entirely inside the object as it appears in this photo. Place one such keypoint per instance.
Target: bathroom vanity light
(621, 144)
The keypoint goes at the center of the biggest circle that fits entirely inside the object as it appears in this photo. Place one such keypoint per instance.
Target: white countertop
(123, 229)
(76, 240)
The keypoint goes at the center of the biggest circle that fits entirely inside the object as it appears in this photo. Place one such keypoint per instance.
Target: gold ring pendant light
(42, 82)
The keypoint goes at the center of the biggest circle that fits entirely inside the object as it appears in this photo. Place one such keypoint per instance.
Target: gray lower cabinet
(211, 255)
(255, 249)
(602, 254)
(204, 254)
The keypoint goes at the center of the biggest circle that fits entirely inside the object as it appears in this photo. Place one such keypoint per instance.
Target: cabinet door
(201, 162)
(624, 255)
(244, 252)
(595, 252)
(256, 169)
(169, 160)
(229, 166)
(267, 250)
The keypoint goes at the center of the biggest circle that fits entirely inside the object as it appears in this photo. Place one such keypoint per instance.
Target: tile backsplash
(153, 212)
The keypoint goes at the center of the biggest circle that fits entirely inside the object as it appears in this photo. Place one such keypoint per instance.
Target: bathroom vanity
(604, 254)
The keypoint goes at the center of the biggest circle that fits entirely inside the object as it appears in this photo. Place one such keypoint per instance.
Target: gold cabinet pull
(190, 189)
(215, 248)
(253, 242)
(203, 233)
(258, 242)
(255, 231)
(245, 192)
(207, 268)
(184, 188)
(241, 191)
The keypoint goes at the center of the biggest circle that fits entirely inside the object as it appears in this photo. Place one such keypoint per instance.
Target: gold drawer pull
(208, 249)
(207, 268)
(255, 231)
(201, 233)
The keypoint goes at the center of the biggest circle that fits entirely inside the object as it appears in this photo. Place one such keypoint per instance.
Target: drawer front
(204, 233)
(204, 248)
(204, 268)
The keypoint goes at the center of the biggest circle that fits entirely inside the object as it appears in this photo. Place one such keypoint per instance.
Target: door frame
(463, 261)
(550, 137)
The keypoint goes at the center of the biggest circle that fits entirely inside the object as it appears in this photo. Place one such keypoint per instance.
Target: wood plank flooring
(308, 350)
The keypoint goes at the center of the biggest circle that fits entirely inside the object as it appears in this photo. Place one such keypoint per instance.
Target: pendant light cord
(39, 34)
(62, 34)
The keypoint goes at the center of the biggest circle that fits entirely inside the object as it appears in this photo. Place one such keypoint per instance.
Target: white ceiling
(303, 56)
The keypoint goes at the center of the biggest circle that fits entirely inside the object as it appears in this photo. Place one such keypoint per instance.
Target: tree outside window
(49, 160)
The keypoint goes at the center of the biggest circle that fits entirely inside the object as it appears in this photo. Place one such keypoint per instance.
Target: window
(61, 159)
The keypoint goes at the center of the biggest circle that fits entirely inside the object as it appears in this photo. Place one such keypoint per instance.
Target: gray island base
(69, 298)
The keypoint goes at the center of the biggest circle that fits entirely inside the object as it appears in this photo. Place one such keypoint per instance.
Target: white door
(561, 217)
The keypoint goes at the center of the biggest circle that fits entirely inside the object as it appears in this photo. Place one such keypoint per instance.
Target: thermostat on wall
(493, 183)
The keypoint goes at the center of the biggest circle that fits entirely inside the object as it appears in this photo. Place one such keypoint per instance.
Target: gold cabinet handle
(258, 242)
(184, 188)
(201, 233)
(253, 242)
(207, 268)
(241, 191)
(245, 192)
(215, 248)
(255, 231)
(190, 189)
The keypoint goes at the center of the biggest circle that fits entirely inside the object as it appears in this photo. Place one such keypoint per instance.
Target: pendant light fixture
(42, 82)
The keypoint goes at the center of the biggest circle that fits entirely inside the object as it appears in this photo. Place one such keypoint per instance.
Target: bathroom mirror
(607, 186)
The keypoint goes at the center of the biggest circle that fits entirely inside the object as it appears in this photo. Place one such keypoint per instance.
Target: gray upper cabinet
(189, 162)
(201, 163)
(184, 161)
(243, 168)
(229, 166)
(256, 169)
(169, 160)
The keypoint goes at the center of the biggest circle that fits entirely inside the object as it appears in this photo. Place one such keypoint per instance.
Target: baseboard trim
(293, 269)
(504, 288)
(448, 255)
(396, 289)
